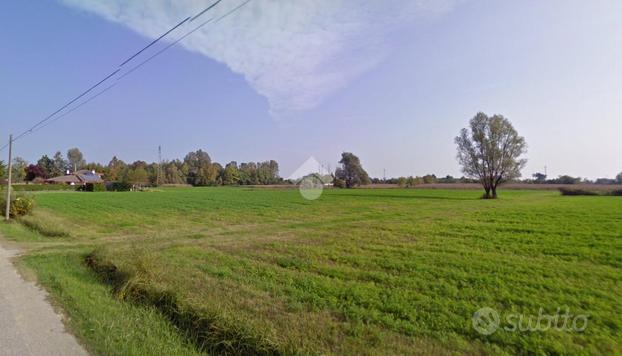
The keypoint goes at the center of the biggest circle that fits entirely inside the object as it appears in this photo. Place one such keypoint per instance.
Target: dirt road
(28, 324)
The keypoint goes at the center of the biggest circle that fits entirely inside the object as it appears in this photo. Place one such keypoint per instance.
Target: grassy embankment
(361, 271)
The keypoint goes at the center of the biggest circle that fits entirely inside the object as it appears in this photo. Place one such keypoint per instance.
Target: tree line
(541, 178)
(488, 152)
(197, 169)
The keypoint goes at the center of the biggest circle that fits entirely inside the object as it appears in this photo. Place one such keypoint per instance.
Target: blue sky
(392, 81)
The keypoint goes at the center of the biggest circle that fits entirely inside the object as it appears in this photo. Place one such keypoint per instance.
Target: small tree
(429, 179)
(76, 159)
(351, 171)
(172, 174)
(619, 178)
(59, 166)
(116, 168)
(137, 176)
(34, 171)
(231, 174)
(539, 178)
(490, 151)
(46, 164)
(19, 169)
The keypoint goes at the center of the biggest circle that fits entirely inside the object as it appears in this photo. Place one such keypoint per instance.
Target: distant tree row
(196, 169)
(411, 181)
(540, 178)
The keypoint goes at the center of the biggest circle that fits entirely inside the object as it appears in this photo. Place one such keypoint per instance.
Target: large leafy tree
(60, 165)
(173, 173)
(490, 150)
(351, 171)
(2, 169)
(211, 175)
(34, 171)
(136, 175)
(619, 178)
(47, 165)
(116, 169)
(19, 169)
(197, 165)
(231, 174)
(76, 159)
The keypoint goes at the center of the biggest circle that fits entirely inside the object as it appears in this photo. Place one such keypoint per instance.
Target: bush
(20, 205)
(95, 187)
(118, 187)
(41, 187)
(578, 191)
(339, 183)
(569, 191)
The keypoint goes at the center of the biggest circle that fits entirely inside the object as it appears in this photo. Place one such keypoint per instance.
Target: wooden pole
(159, 173)
(8, 186)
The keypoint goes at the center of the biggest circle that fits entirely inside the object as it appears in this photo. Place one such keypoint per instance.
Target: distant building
(81, 177)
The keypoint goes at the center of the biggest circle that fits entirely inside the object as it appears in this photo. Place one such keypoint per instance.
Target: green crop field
(378, 271)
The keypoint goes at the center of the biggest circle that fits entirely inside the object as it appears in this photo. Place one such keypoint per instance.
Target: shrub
(95, 187)
(339, 183)
(20, 205)
(118, 187)
(617, 193)
(569, 191)
(42, 187)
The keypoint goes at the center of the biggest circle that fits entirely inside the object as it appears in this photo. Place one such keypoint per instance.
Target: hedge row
(585, 192)
(41, 187)
(97, 187)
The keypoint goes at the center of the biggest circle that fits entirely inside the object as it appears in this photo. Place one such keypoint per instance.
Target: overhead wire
(48, 119)
(130, 71)
(154, 41)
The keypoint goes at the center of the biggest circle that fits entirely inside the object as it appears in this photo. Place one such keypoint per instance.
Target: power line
(204, 11)
(38, 126)
(163, 50)
(119, 78)
(234, 10)
(74, 108)
(187, 19)
(154, 41)
(66, 105)
(103, 80)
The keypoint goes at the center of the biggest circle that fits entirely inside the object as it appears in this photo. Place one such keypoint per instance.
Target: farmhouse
(81, 177)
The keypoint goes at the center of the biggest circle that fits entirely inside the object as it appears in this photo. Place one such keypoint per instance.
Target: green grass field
(386, 271)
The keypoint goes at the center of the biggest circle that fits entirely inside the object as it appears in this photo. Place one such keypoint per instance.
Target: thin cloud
(294, 53)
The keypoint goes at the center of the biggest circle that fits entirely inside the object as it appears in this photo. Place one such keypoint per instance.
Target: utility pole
(8, 185)
(159, 166)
